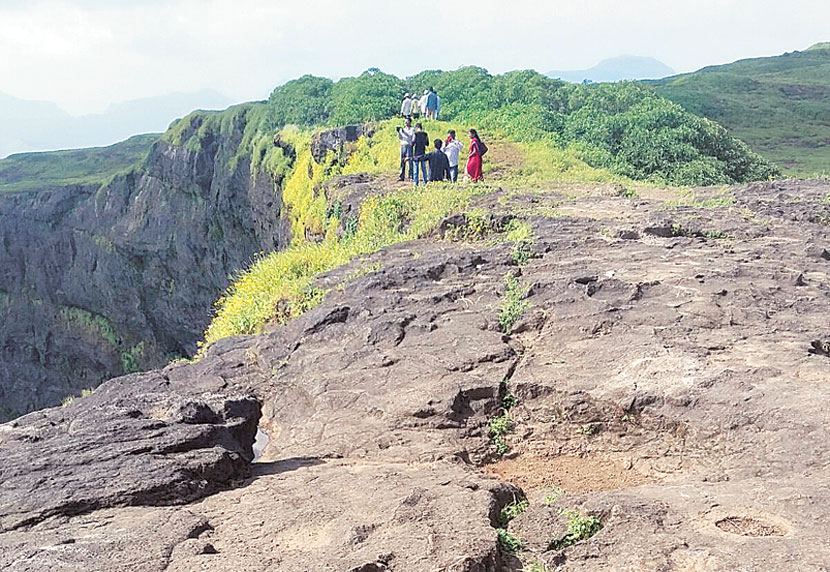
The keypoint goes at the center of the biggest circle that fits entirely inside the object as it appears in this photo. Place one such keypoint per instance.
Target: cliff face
(96, 282)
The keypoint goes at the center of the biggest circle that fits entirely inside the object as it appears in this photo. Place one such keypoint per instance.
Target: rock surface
(664, 377)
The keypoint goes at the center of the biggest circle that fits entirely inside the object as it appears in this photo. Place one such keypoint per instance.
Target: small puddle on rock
(260, 442)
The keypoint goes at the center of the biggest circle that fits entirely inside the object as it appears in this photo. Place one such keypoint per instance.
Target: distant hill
(779, 105)
(53, 169)
(42, 126)
(617, 69)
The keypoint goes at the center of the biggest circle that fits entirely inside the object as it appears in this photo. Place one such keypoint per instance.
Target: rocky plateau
(668, 377)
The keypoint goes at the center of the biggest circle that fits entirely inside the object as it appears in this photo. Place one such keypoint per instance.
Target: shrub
(508, 542)
(579, 528)
(512, 510)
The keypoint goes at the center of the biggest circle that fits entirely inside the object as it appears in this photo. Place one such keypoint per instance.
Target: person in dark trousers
(439, 165)
(452, 149)
(419, 150)
(406, 136)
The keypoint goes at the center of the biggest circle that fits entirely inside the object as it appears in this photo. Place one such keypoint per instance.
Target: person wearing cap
(406, 106)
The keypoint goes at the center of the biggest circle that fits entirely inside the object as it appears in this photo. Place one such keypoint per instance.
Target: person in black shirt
(439, 165)
(419, 149)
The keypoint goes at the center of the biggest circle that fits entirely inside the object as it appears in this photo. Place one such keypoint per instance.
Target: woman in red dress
(474, 158)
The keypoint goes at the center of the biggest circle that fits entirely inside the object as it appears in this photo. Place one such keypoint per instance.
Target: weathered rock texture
(95, 281)
(665, 374)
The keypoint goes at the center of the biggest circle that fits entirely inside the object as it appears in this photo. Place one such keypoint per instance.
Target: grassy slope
(280, 285)
(780, 106)
(39, 171)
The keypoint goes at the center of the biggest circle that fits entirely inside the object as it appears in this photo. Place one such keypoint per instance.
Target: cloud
(85, 54)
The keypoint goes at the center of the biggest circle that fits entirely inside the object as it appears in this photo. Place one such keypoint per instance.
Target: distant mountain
(779, 105)
(617, 69)
(43, 126)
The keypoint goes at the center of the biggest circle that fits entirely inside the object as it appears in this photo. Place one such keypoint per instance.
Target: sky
(87, 54)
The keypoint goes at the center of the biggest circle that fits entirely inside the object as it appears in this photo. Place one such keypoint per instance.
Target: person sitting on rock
(439, 165)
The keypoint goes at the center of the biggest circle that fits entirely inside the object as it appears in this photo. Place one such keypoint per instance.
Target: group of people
(440, 164)
(429, 105)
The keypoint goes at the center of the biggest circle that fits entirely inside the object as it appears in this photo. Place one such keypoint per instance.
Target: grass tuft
(513, 302)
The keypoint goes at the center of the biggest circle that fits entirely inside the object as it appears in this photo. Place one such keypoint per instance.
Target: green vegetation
(553, 496)
(130, 359)
(780, 105)
(92, 323)
(513, 303)
(508, 542)
(625, 128)
(520, 233)
(579, 528)
(54, 169)
(512, 510)
(535, 566)
(499, 427)
(502, 424)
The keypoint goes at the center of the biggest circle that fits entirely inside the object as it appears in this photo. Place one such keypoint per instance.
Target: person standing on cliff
(406, 137)
(452, 149)
(432, 104)
(423, 105)
(477, 149)
(419, 150)
(406, 107)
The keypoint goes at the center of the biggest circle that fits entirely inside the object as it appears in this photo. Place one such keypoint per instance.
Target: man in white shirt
(406, 107)
(423, 104)
(406, 137)
(452, 148)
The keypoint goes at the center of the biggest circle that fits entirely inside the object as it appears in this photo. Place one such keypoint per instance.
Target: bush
(305, 102)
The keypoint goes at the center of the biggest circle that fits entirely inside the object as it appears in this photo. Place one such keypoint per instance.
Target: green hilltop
(625, 128)
(542, 131)
(53, 169)
(780, 106)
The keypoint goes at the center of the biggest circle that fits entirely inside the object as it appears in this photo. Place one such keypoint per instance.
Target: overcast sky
(85, 54)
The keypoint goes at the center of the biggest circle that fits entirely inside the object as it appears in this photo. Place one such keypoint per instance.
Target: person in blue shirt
(432, 104)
